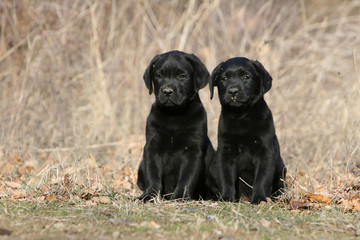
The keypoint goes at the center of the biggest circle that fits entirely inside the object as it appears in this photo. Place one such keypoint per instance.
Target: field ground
(73, 108)
(44, 204)
(126, 219)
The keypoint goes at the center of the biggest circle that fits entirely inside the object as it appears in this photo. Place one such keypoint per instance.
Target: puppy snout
(168, 91)
(233, 91)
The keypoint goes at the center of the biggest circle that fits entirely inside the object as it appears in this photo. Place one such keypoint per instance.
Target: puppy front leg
(264, 172)
(152, 173)
(191, 170)
(227, 175)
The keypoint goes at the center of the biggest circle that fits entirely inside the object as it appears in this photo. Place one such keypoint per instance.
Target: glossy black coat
(248, 162)
(177, 145)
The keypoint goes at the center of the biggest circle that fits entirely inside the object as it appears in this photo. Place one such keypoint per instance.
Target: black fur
(248, 162)
(177, 145)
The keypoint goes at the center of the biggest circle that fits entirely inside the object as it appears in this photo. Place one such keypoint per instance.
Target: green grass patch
(127, 219)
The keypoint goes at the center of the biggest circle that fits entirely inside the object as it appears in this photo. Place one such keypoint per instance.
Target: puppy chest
(176, 144)
(236, 151)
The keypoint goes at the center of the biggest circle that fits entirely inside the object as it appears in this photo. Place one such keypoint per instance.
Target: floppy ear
(265, 78)
(214, 79)
(148, 74)
(201, 74)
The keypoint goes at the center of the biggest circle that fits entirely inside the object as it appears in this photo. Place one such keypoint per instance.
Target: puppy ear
(201, 74)
(149, 72)
(265, 78)
(214, 79)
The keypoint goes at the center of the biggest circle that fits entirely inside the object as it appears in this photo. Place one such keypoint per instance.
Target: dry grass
(169, 220)
(71, 82)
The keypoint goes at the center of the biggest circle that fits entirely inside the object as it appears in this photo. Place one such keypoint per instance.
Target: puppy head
(175, 77)
(240, 81)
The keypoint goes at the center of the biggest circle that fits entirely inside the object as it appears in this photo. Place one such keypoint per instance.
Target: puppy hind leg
(278, 187)
(141, 178)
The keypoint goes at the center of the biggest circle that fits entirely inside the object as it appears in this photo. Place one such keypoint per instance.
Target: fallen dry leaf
(88, 194)
(170, 207)
(126, 170)
(21, 170)
(4, 232)
(95, 199)
(265, 223)
(123, 183)
(51, 198)
(15, 193)
(107, 167)
(299, 205)
(43, 155)
(19, 193)
(352, 205)
(318, 198)
(104, 200)
(354, 196)
(40, 199)
(262, 203)
(16, 157)
(301, 172)
(101, 199)
(8, 168)
(97, 186)
(154, 224)
(357, 207)
(90, 203)
(151, 224)
(13, 184)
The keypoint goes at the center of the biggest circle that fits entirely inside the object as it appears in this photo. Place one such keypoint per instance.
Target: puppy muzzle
(168, 96)
(236, 95)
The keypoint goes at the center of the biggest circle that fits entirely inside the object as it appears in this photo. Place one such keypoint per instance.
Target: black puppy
(177, 144)
(248, 162)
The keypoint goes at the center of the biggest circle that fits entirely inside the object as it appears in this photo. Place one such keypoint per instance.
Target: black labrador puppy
(248, 162)
(177, 145)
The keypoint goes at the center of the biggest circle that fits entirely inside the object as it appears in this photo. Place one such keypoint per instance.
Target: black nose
(233, 91)
(168, 91)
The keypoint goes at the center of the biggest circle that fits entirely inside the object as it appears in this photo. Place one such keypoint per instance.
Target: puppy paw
(227, 198)
(180, 197)
(145, 197)
(256, 199)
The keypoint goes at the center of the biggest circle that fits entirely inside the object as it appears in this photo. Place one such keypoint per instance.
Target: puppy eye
(182, 75)
(246, 77)
(158, 75)
(224, 78)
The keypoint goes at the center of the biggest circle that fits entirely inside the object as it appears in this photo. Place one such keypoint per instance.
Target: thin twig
(66, 149)
(246, 183)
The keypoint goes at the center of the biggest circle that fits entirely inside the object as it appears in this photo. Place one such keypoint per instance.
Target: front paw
(227, 199)
(145, 197)
(228, 195)
(180, 195)
(257, 198)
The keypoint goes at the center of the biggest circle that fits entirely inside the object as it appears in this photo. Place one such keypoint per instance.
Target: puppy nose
(168, 91)
(233, 91)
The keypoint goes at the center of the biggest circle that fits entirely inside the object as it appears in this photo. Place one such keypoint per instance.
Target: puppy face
(240, 81)
(175, 77)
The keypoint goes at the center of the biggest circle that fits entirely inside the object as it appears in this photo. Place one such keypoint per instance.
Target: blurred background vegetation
(71, 73)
